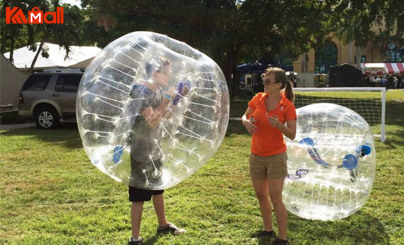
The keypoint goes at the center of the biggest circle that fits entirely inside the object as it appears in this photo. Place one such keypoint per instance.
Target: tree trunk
(2, 47)
(305, 63)
(36, 56)
(358, 57)
(350, 53)
(11, 58)
(230, 71)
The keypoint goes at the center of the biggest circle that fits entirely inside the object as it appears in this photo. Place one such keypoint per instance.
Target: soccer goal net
(368, 102)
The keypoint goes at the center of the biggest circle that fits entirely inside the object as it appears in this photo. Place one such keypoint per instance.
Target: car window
(36, 83)
(68, 83)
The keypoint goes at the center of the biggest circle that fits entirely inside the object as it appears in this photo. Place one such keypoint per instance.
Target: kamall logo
(35, 16)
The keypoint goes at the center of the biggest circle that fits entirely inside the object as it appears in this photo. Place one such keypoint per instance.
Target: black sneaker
(279, 241)
(135, 241)
(266, 234)
(170, 228)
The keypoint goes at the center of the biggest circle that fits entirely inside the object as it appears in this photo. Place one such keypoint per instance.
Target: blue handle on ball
(307, 141)
(179, 94)
(350, 161)
(118, 151)
(364, 150)
(300, 173)
(179, 91)
(313, 151)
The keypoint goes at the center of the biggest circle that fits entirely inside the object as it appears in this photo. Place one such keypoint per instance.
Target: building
(335, 53)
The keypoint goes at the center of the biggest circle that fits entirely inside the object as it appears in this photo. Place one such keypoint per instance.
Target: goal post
(369, 102)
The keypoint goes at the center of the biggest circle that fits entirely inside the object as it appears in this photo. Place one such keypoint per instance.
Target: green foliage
(52, 194)
(353, 21)
(228, 31)
(295, 26)
(18, 35)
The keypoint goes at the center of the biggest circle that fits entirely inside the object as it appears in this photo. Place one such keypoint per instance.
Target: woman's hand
(273, 120)
(289, 130)
(249, 125)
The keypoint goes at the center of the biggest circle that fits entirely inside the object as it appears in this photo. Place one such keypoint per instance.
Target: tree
(67, 34)
(354, 21)
(71, 32)
(225, 30)
(12, 35)
(292, 27)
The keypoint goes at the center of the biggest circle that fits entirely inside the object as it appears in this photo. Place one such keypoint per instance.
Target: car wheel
(47, 118)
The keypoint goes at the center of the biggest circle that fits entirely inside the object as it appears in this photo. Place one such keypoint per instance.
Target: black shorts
(142, 195)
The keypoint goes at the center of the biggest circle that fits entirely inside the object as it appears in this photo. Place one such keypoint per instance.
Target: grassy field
(50, 193)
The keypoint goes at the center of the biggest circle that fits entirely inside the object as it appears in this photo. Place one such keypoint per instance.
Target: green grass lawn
(50, 193)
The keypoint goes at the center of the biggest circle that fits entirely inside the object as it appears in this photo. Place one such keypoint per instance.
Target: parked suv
(50, 97)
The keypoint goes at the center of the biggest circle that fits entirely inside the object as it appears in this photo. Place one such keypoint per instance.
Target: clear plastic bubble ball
(331, 163)
(151, 110)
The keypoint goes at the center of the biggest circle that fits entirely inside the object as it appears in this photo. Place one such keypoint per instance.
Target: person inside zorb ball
(151, 110)
(331, 163)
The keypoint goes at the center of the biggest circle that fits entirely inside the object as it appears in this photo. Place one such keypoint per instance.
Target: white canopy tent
(374, 68)
(383, 68)
(78, 57)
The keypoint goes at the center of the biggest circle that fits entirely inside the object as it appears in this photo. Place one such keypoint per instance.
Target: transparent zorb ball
(119, 89)
(331, 163)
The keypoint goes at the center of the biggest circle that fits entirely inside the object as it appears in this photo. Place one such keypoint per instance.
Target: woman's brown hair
(280, 77)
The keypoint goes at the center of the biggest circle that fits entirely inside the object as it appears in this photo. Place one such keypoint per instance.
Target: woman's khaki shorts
(272, 167)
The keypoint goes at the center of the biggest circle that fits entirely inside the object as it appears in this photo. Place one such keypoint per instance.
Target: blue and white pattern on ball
(130, 80)
(331, 163)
